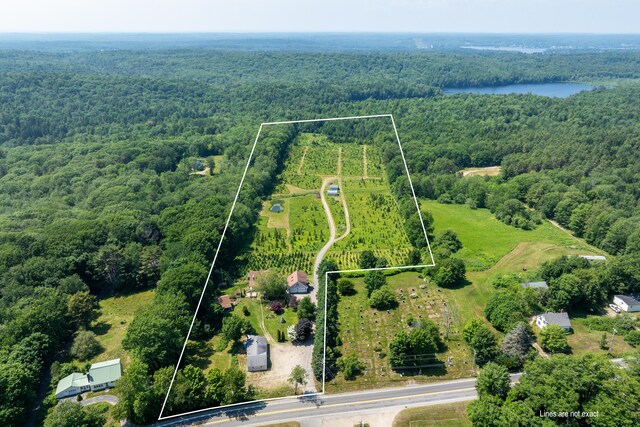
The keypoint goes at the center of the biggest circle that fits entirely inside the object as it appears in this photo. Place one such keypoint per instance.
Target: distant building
(101, 375)
(277, 208)
(628, 303)
(298, 283)
(332, 193)
(535, 285)
(334, 190)
(334, 187)
(560, 319)
(225, 302)
(593, 258)
(257, 353)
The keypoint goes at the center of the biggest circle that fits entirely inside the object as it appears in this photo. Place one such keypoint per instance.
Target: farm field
(290, 239)
(366, 332)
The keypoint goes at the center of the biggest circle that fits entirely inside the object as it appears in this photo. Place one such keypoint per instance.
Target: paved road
(332, 405)
(103, 398)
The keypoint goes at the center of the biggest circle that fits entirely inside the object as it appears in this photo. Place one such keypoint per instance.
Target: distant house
(252, 276)
(298, 283)
(257, 353)
(101, 375)
(334, 187)
(535, 285)
(277, 208)
(225, 302)
(594, 258)
(334, 190)
(629, 303)
(560, 319)
(199, 164)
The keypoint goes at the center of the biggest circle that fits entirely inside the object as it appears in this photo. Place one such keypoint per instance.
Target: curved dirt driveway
(332, 231)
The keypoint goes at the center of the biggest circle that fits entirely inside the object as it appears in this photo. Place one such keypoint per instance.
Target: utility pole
(613, 335)
(473, 364)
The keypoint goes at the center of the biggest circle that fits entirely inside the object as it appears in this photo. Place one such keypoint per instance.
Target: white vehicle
(614, 308)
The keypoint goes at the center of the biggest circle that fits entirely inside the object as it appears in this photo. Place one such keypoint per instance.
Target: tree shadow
(101, 328)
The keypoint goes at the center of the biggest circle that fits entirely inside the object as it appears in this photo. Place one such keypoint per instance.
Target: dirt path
(364, 157)
(332, 231)
(302, 160)
(339, 161)
(263, 326)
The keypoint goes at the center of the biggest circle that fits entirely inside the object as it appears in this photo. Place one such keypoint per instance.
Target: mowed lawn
(367, 332)
(116, 313)
(449, 415)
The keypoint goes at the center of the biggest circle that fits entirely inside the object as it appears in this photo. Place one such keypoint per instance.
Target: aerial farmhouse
(297, 283)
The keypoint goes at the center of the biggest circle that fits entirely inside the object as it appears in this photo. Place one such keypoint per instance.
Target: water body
(521, 49)
(552, 90)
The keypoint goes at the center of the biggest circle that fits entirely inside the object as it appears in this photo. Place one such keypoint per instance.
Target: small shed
(332, 193)
(535, 285)
(334, 187)
(225, 302)
(277, 208)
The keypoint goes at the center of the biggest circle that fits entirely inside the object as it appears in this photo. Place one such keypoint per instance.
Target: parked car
(614, 308)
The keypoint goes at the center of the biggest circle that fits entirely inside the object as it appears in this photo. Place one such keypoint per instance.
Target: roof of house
(332, 192)
(594, 257)
(629, 299)
(253, 275)
(105, 372)
(535, 285)
(73, 380)
(334, 187)
(256, 351)
(225, 301)
(297, 276)
(560, 319)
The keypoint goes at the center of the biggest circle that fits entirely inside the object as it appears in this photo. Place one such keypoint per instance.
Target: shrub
(346, 287)
(350, 366)
(383, 299)
(85, 345)
(554, 339)
(276, 307)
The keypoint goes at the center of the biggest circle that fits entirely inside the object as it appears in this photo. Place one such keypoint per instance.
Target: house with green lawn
(101, 375)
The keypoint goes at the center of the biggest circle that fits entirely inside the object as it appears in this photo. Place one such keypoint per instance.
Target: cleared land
(450, 415)
(367, 332)
(116, 313)
(290, 239)
(488, 171)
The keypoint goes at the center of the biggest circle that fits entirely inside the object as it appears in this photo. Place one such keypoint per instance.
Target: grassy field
(116, 313)
(486, 240)
(367, 332)
(583, 340)
(449, 415)
(488, 171)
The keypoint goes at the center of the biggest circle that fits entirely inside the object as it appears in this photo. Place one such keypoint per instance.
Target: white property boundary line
(224, 231)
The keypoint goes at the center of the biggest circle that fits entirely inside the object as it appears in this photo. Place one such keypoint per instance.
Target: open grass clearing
(367, 332)
(445, 415)
(116, 313)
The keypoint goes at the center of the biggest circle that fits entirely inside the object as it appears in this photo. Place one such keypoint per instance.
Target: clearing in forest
(290, 239)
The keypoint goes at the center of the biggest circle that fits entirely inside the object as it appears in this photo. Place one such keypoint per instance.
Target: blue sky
(515, 16)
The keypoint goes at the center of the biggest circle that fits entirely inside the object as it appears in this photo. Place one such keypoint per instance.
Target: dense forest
(97, 196)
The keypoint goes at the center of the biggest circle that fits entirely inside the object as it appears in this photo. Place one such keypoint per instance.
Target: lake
(553, 90)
